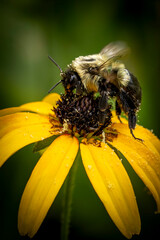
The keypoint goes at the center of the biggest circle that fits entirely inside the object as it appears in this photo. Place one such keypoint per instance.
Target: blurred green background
(30, 31)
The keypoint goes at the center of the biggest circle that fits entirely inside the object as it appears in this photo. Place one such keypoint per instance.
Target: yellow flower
(36, 121)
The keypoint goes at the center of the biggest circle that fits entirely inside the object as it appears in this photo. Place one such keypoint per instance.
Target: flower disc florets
(81, 114)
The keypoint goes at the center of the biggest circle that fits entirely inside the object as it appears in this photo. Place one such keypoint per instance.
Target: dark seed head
(81, 113)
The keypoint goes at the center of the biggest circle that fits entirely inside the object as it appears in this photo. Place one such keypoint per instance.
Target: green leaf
(43, 144)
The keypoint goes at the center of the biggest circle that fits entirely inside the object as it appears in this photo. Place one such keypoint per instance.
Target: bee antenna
(55, 64)
(54, 86)
(60, 71)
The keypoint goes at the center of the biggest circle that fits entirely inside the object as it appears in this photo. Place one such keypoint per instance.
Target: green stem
(67, 200)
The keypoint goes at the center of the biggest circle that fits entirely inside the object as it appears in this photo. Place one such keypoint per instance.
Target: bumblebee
(103, 73)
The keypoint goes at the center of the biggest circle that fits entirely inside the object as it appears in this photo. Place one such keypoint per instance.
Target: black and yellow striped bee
(105, 74)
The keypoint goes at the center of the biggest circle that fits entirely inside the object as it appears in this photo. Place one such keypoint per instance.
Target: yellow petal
(17, 120)
(39, 107)
(116, 120)
(113, 186)
(45, 182)
(148, 135)
(11, 110)
(142, 133)
(22, 136)
(52, 98)
(143, 158)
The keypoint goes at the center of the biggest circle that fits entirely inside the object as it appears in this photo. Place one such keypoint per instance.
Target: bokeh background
(30, 31)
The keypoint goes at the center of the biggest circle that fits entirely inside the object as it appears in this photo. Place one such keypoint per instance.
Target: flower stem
(67, 200)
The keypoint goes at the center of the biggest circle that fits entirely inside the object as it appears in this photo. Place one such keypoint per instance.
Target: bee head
(70, 79)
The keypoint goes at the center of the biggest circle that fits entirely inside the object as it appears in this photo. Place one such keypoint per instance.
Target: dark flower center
(81, 114)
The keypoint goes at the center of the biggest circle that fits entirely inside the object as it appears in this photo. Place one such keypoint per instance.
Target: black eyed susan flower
(72, 126)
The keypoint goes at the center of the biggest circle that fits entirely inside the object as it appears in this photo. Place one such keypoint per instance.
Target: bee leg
(104, 120)
(103, 101)
(132, 119)
(139, 139)
(118, 111)
(102, 117)
(129, 107)
(103, 105)
(79, 88)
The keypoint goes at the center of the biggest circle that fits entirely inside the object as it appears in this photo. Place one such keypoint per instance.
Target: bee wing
(114, 51)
